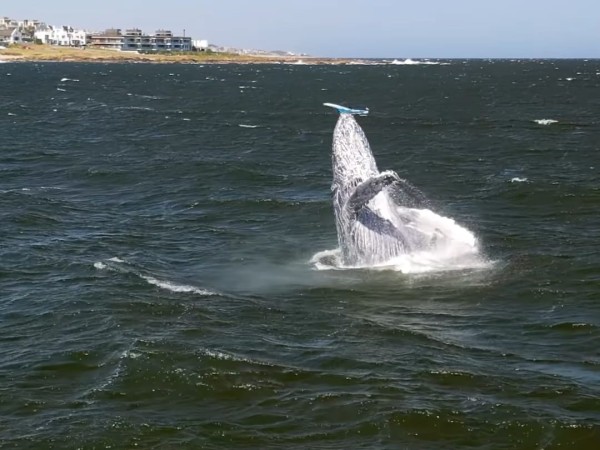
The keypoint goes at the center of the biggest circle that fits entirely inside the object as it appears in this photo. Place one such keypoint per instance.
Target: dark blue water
(157, 227)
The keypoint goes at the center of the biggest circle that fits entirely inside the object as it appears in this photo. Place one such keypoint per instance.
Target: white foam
(117, 260)
(361, 62)
(328, 260)
(68, 79)
(243, 125)
(119, 265)
(451, 247)
(216, 354)
(130, 354)
(60, 89)
(519, 180)
(176, 287)
(545, 121)
(412, 62)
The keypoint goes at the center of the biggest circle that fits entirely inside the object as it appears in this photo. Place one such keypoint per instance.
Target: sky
(350, 28)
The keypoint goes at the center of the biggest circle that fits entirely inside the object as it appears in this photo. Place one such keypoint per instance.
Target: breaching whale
(380, 216)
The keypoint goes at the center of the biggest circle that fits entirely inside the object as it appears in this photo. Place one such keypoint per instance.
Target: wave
(412, 62)
(519, 180)
(116, 264)
(361, 62)
(134, 108)
(173, 287)
(545, 121)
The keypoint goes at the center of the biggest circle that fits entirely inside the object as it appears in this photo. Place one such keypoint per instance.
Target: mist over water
(162, 233)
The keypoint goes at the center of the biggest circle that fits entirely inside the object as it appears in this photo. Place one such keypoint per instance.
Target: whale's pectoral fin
(380, 225)
(404, 193)
(368, 189)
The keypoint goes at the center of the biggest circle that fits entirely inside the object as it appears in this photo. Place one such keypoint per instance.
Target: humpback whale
(380, 216)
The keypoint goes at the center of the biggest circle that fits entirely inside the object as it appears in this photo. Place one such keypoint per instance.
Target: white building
(7, 22)
(29, 23)
(135, 40)
(200, 44)
(10, 36)
(63, 36)
(161, 41)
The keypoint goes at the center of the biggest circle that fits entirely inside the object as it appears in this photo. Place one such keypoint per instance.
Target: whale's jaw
(352, 159)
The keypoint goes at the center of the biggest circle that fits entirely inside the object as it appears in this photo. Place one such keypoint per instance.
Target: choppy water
(158, 223)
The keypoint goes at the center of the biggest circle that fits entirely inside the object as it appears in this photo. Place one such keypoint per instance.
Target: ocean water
(158, 224)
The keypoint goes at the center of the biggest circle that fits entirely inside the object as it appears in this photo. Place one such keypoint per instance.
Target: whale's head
(352, 159)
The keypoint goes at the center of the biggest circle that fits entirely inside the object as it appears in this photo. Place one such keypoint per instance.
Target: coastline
(46, 53)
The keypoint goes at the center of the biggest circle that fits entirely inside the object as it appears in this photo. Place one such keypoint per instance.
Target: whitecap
(68, 79)
(117, 260)
(545, 121)
(60, 89)
(183, 288)
(11, 114)
(130, 354)
(116, 264)
(412, 62)
(519, 180)
(242, 125)
(216, 354)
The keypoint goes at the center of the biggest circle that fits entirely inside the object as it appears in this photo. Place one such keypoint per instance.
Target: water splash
(383, 221)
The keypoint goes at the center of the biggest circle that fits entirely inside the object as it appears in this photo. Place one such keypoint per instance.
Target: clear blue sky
(354, 28)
